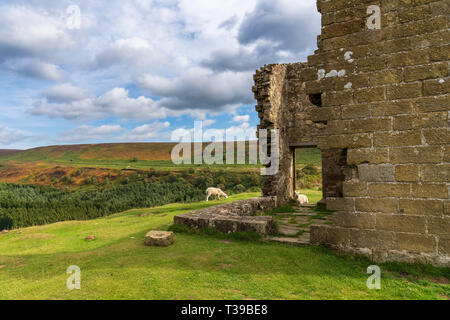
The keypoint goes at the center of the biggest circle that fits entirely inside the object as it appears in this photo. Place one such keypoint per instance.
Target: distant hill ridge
(8, 152)
(103, 151)
(150, 151)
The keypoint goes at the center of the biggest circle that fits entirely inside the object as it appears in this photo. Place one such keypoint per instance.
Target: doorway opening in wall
(307, 173)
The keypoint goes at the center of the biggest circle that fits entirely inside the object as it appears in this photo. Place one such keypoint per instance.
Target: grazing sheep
(215, 192)
(301, 198)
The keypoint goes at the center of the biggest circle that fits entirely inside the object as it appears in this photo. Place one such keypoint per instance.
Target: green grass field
(308, 156)
(33, 263)
(314, 195)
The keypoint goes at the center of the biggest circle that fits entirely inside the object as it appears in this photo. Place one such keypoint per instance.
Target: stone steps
(303, 241)
(294, 228)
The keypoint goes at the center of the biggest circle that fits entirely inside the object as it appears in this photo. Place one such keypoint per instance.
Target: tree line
(29, 205)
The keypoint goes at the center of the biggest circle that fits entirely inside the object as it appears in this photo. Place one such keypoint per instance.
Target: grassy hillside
(140, 156)
(308, 156)
(118, 154)
(60, 166)
(8, 152)
(109, 151)
(33, 263)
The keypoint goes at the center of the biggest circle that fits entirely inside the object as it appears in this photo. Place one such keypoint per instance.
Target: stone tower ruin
(375, 99)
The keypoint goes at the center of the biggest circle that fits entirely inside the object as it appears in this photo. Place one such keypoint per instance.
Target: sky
(81, 71)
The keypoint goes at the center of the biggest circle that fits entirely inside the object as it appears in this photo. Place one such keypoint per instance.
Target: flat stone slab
(289, 230)
(232, 217)
(291, 241)
(159, 238)
(224, 224)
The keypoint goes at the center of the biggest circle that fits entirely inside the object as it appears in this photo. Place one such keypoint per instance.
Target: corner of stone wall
(282, 104)
(382, 74)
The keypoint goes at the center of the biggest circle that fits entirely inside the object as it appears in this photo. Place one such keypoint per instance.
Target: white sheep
(215, 192)
(301, 198)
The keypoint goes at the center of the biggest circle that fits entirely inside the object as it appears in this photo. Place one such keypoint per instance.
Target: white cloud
(146, 131)
(86, 133)
(271, 32)
(65, 92)
(35, 68)
(29, 32)
(136, 52)
(200, 88)
(208, 122)
(113, 103)
(240, 133)
(9, 136)
(293, 25)
(177, 57)
(244, 118)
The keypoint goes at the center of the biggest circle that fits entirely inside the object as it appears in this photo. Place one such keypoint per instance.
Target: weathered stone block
(440, 53)
(388, 108)
(427, 190)
(337, 30)
(401, 223)
(416, 242)
(404, 91)
(447, 207)
(324, 235)
(369, 95)
(368, 125)
(436, 119)
(388, 76)
(354, 220)
(436, 87)
(437, 136)
(398, 138)
(421, 207)
(446, 154)
(415, 14)
(444, 245)
(372, 239)
(436, 173)
(326, 114)
(433, 104)
(355, 189)
(409, 58)
(389, 190)
(439, 226)
(416, 155)
(330, 99)
(424, 72)
(350, 141)
(376, 173)
(159, 238)
(355, 111)
(368, 156)
(407, 173)
(340, 204)
(372, 64)
(376, 205)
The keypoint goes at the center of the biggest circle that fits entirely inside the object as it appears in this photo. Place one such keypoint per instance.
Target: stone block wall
(381, 74)
(385, 98)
